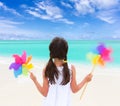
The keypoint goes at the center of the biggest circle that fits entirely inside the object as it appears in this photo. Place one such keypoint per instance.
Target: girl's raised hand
(88, 78)
(32, 76)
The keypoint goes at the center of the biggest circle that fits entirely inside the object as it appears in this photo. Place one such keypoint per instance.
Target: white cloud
(66, 4)
(10, 27)
(66, 21)
(99, 4)
(10, 30)
(109, 20)
(34, 13)
(107, 16)
(8, 24)
(5, 8)
(105, 9)
(105, 4)
(89, 6)
(83, 7)
(48, 11)
(38, 15)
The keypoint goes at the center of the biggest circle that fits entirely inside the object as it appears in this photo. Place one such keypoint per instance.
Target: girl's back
(58, 95)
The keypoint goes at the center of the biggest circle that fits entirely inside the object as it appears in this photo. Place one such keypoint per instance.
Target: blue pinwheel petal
(18, 72)
(95, 51)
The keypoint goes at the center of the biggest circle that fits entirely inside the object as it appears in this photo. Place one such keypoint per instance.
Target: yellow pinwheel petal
(95, 59)
(29, 66)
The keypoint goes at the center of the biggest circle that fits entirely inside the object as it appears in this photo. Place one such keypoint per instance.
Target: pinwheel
(21, 64)
(99, 56)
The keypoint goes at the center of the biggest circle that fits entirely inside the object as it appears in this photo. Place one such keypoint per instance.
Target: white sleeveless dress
(58, 95)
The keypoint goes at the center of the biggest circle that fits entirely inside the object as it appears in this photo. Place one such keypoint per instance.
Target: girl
(58, 78)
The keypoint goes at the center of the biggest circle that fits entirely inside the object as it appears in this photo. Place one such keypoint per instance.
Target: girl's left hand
(32, 76)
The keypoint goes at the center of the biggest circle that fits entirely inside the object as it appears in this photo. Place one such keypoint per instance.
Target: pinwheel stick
(95, 62)
(93, 68)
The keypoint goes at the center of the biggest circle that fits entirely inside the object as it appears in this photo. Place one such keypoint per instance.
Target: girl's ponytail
(51, 71)
(66, 73)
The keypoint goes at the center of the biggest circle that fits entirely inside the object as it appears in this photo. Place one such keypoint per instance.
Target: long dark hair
(58, 49)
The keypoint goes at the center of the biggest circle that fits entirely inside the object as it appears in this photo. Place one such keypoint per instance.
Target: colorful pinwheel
(21, 64)
(100, 56)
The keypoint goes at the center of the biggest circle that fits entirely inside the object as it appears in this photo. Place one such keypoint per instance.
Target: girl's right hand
(32, 76)
(88, 78)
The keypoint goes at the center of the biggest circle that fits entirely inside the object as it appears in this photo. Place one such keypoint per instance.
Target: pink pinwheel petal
(18, 59)
(106, 55)
(23, 57)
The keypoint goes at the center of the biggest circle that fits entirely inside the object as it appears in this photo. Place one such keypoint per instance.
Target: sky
(71, 19)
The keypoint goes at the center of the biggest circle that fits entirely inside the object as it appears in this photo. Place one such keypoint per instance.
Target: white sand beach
(103, 90)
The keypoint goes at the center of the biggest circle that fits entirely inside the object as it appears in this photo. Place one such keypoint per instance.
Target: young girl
(59, 79)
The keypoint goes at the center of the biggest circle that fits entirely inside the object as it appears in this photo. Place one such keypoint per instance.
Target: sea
(78, 49)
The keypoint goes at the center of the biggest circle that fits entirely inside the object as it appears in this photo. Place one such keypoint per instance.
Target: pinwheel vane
(99, 56)
(21, 64)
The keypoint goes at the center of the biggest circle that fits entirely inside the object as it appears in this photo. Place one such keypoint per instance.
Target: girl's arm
(43, 89)
(76, 87)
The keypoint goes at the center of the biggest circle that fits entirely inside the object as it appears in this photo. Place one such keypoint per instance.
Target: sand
(103, 90)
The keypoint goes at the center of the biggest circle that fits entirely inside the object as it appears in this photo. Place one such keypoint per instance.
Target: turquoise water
(39, 49)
